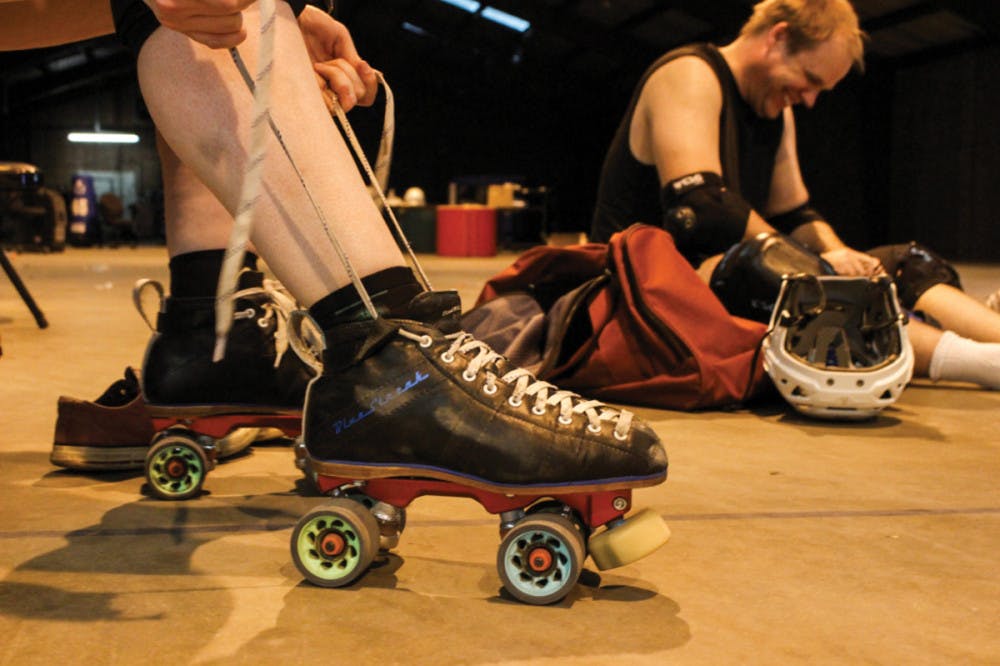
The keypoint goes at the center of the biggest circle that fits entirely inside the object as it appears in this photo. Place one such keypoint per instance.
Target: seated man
(707, 150)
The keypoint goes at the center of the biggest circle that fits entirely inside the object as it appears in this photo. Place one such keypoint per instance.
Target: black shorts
(135, 22)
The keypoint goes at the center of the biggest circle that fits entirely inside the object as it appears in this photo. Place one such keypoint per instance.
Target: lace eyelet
(468, 377)
(262, 322)
(490, 389)
(565, 420)
(620, 438)
(596, 429)
(448, 357)
(426, 341)
(514, 403)
(538, 411)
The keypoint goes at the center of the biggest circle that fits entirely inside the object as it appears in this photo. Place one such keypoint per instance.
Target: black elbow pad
(788, 222)
(702, 215)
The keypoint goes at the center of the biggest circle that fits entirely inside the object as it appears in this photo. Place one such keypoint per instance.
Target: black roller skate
(196, 403)
(409, 405)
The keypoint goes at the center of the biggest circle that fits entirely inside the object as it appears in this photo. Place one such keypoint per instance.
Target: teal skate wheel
(334, 544)
(175, 467)
(540, 559)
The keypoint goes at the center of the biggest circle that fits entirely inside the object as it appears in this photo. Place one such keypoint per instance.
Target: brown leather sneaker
(114, 432)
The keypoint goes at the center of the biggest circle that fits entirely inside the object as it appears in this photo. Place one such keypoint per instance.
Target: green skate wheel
(175, 467)
(334, 544)
(540, 559)
(629, 541)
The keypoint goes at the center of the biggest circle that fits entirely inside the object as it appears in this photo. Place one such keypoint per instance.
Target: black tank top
(629, 191)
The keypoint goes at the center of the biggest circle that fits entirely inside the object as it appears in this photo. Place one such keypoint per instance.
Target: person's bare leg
(959, 312)
(707, 267)
(195, 220)
(204, 116)
(177, 366)
(924, 339)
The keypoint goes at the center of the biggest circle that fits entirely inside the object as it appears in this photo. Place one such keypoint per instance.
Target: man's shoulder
(698, 57)
(686, 75)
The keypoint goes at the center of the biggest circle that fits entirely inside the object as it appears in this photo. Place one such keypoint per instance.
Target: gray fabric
(512, 324)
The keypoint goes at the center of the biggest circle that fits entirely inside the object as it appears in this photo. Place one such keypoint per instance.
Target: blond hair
(810, 22)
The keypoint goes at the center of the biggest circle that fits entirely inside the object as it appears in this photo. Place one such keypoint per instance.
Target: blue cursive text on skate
(379, 400)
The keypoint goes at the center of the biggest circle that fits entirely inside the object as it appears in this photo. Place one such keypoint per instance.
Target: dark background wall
(907, 151)
(911, 152)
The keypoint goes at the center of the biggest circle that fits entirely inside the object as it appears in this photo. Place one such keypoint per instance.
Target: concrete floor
(793, 541)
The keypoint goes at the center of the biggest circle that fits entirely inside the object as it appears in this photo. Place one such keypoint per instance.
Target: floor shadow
(377, 618)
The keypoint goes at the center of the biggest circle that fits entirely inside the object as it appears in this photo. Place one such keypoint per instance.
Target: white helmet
(414, 196)
(837, 346)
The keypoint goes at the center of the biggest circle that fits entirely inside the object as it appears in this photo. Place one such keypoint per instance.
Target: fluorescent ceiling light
(470, 6)
(415, 29)
(505, 19)
(103, 137)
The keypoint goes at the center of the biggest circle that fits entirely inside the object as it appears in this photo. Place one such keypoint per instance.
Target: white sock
(959, 359)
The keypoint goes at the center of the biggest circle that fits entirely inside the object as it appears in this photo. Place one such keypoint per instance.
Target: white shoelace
(527, 386)
(293, 327)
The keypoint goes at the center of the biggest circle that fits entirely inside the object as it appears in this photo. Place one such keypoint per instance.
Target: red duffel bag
(628, 322)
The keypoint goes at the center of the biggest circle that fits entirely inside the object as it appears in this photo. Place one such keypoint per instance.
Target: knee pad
(915, 269)
(748, 278)
(837, 346)
(702, 215)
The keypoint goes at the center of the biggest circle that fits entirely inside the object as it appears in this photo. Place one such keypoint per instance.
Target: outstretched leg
(959, 312)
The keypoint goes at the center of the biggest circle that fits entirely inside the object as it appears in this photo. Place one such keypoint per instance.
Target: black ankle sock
(390, 290)
(196, 274)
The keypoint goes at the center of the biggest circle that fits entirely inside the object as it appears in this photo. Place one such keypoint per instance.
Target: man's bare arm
(676, 126)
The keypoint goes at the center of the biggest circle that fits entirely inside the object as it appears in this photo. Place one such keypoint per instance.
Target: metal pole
(21, 289)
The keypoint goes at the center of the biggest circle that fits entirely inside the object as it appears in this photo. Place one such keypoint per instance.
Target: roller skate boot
(258, 370)
(409, 405)
(414, 395)
(197, 404)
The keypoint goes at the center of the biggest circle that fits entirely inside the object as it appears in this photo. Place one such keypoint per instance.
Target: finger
(351, 72)
(339, 82)
(369, 78)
